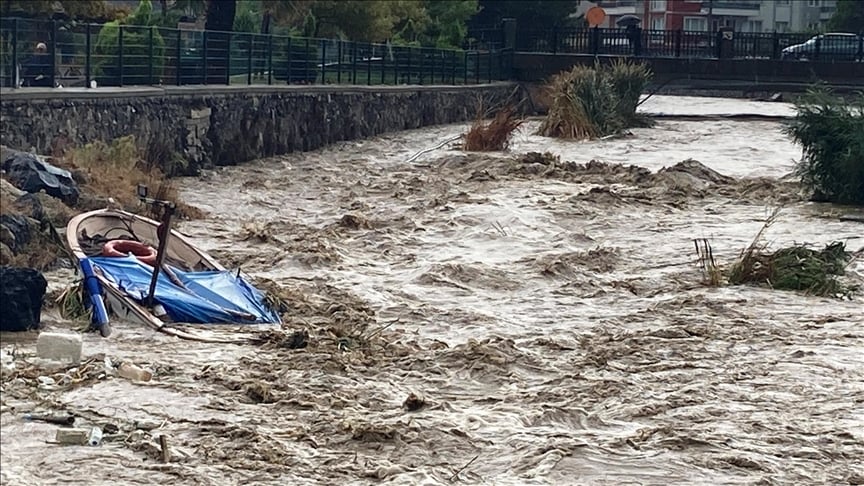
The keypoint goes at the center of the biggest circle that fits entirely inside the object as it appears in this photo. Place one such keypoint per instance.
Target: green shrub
(831, 132)
(590, 102)
(137, 31)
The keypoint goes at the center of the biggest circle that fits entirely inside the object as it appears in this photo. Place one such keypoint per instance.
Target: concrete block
(59, 347)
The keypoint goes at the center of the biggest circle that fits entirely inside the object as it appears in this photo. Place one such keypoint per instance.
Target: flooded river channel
(547, 314)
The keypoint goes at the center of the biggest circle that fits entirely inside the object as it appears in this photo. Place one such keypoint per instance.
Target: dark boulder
(30, 173)
(17, 228)
(21, 294)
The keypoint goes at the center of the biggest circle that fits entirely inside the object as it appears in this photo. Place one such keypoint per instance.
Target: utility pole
(710, 15)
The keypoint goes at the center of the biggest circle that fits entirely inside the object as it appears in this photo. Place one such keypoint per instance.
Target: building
(703, 15)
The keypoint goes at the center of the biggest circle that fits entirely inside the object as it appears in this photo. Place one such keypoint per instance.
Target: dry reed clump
(493, 135)
(114, 170)
(591, 102)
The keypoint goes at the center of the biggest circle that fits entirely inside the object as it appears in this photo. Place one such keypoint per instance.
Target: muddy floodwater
(547, 315)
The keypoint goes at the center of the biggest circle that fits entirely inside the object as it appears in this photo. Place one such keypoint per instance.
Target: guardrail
(689, 44)
(54, 53)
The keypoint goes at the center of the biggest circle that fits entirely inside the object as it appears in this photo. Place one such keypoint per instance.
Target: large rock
(30, 173)
(15, 231)
(21, 294)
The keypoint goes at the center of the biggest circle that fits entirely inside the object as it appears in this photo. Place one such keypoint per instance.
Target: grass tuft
(590, 102)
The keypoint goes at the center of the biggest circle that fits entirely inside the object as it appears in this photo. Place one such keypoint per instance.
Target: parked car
(834, 46)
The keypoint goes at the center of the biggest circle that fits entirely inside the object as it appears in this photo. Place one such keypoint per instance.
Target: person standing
(36, 70)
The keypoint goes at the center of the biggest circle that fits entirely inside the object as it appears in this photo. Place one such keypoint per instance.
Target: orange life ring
(119, 248)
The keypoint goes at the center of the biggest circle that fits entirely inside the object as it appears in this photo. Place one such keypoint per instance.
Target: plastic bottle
(134, 373)
(95, 437)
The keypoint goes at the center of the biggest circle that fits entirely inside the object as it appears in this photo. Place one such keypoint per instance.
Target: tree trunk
(220, 21)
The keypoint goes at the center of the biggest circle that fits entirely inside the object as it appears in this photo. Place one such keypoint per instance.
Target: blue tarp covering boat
(213, 296)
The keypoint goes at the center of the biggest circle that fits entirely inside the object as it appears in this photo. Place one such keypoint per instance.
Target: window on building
(753, 26)
(658, 23)
(658, 5)
(696, 24)
(781, 27)
(813, 3)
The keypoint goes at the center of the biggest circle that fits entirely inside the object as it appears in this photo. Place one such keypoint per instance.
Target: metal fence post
(150, 55)
(15, 74)
(353, 63)
(555, 40)
(204, 67)
(395, 69)
(477, 68)
(369, 64)
(384, 66)
(178, 75)
(453, 67)
(861, 47)
(87, 72)
(288, 62)
(489, 64)
(339, 52)
(269, 58)
(228, 58)
(323, 61)
(678, 35)
(465, 68)
(119, 55)
(53, 53)
(251, 39)
(408, 67)
(775, 45)
(306, 63)
(421, 66)
(432, 58)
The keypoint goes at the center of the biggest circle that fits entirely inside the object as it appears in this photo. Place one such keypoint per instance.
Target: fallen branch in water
(425, 151)
(456, 474)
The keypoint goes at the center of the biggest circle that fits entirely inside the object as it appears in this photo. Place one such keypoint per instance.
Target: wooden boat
(191, 286)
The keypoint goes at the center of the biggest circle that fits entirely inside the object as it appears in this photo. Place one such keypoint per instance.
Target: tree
(448, 21)
(539, 14)
(137, 31)
(849, 17)
(220, 17)
(74, 9)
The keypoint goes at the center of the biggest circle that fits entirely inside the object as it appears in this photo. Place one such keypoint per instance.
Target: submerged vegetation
(792, 268)
(114, 170)
(591, 102)
(831, 132)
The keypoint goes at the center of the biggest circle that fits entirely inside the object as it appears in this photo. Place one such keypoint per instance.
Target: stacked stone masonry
(208, 126)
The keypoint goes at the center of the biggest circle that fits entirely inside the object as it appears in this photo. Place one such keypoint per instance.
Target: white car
(835, 46)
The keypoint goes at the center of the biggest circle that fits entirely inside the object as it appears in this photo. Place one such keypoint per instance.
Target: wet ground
(547, 314)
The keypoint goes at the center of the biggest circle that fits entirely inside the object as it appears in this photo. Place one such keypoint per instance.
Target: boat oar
(163, 232)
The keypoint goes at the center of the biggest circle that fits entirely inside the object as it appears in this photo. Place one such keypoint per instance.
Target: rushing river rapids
(549, 317)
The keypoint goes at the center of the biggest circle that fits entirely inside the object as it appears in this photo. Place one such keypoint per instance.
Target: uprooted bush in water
(493, 135)
(590, 102)
(831, 132)
(795, 268)
(792, 268)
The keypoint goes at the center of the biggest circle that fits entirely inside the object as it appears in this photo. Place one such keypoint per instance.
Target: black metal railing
(691, 44)
(54, 53)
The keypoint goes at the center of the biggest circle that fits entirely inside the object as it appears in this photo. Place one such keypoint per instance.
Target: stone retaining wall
(227, 125)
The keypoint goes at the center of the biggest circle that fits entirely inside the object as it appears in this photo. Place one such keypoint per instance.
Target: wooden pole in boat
(163, 232)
